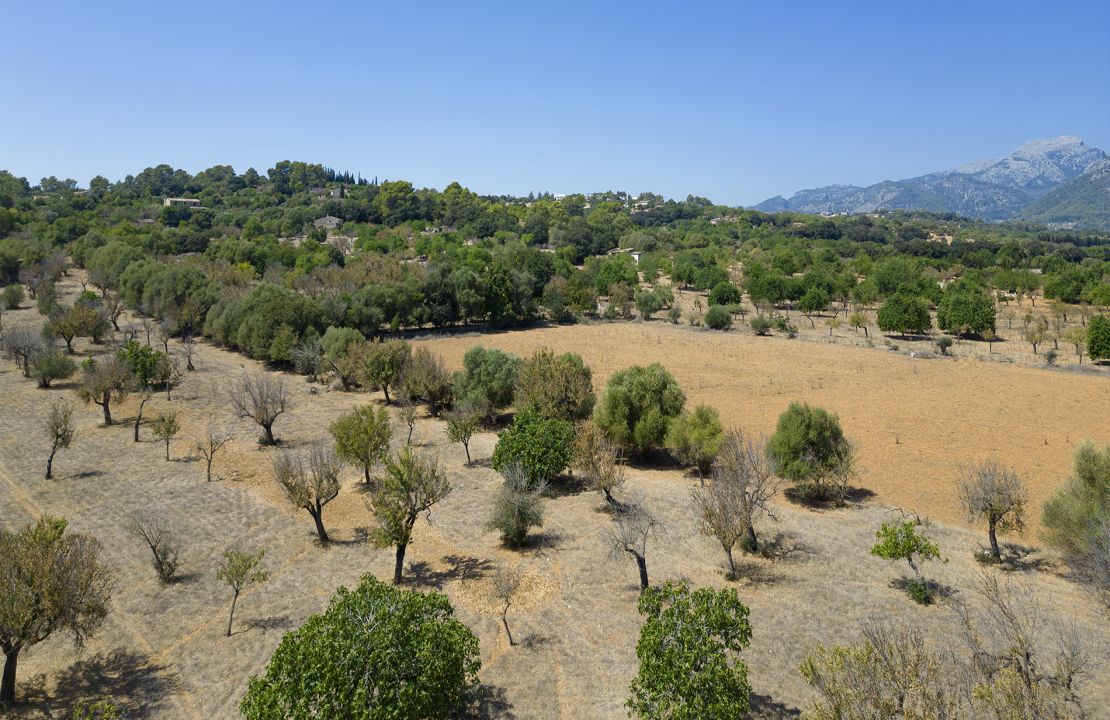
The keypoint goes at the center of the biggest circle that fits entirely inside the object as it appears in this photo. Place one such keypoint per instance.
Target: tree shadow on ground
(129, 679)
(459, 567)
(85, 474)
(488, 702)
(852, 496)
(764, 707)
(566, 485)
(938, 590)
(280, 622)
(1023, 558)
(786, 546)
(755, 573)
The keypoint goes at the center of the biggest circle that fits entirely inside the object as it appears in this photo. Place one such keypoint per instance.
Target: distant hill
(1003, 189)
(1083, 203)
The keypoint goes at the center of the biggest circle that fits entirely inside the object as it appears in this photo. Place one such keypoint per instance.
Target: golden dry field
(162, 652)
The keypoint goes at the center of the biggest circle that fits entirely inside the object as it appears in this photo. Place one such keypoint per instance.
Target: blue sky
(732, 101)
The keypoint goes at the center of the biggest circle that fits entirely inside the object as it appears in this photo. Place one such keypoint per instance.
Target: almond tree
(632, 527)
(105, 380)
(239, 570)
(166, 426)
(362, 437)
(410, 487)
(60, 430)
(262, 398)
(310, 481)
(209, 446)
(993, 493)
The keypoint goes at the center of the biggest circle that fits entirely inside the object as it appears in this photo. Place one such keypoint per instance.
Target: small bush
(761, 324)
(919, 591)
(518, 507)
(1050, 358)
(943, 344)
(13, 296)
(718, 318)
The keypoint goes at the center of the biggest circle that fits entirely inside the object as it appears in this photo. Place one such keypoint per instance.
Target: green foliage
(337, 340)
(425, 378)
(718, 317)
(557, 386)
(900, 540)
(1098, 337)
(648, 302)
(517, 508)
(943, 344)
(52, 365)
(689, 669)
(13, 296)
(761, 324)
(809, 449)
(409, 487)
(94, 710)
(638, 405)
(965, 309)
(385, 363)
(724, 293)
(362, 437)
(376, 653)
(1072, 513)
(617, 268)
(694, 437)
(540, 446)
(904, 313)
(487, 380)
(815, 300)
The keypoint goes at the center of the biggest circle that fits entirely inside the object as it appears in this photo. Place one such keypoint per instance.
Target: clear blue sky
(733, 101)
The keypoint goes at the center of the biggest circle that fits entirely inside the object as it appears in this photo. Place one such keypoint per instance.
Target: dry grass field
(162, 652)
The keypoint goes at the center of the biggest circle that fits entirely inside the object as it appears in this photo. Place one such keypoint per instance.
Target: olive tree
(598, 460)
(104, 381)
(53, 582)
(207, 448)
(239, 570)
(385, 364)
(688, 650)
(993, 493)
(556, 386)
(426, 378)
(410, 487)
(1076, 518)
(59, 429)
(52, 365)
(377, 652)
(262, 398)
(693, 437)
(633, 526)
(738, 493)
(362, 437)
(487, 380)
(310, 481)
(638, 405)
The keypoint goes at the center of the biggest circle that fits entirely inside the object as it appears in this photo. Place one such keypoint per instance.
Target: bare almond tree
(599, 461)
(60, 430)
(188, 348)
(738, 494)
(159, 537)
(996, 494)
(209, 446)
(24, 347)
(262, 398)
(506, 581)
(310, 481)
(633, 526)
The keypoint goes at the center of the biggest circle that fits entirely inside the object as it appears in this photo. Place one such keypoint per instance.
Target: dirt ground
(162, 652)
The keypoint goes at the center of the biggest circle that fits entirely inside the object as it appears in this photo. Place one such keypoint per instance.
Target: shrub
(518, 507)
(648, 302)
(13, 296)
(425, 378)
(693, 437)
(51, 366)
(724, 293)
(377, 652)
(943, 344)
(1072, 515)
(541, 447)
(809, 449)
(718, 317)
(688, 650)
(487, 379)
(638, 405)
(558, 386)
(761, 324)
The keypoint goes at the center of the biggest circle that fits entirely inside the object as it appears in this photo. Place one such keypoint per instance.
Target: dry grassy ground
(162, 652)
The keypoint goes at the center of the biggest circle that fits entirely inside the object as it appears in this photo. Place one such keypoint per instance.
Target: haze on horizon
(735, 103)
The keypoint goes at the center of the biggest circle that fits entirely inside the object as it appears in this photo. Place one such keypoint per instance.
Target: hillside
(1083, 202)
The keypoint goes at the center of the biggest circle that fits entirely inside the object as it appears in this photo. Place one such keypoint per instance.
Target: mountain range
(1058, 181)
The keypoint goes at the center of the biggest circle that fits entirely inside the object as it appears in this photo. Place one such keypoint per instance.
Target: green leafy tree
(1072, 513)
(60, 431)
(815, 301)
(385, 364)
(1098, 338)
(487, 380)
(462, 423)
(362, 437)
(376, 653)
(809, 449)
(717, 317)
(901, 541)
(104, 381)
(240, 570)
(904, 313)
(724, 293)
(638, 405)
(556, 386)
(965, 309)
(693, 437)
(50, 366)
(648, 303)
(688, 652)
(53, 583)
(542, 447)
(410, 487)
(166, 426)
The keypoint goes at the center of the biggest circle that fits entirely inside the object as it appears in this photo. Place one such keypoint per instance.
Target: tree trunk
(231, 615)
(139, 418)
(995, 552)
(209, 468)
(268, 428)
(366, 474)
(641, 562)
(69, 345)
(466, 446)
(408, 440)
(106, 405)
(753, 541)
(385, 390)
(167, 449)
(731, 564)
(50, 461)
(318, 518)
(505, 622)
(399, 563)
(7, 686)
(865, 331)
